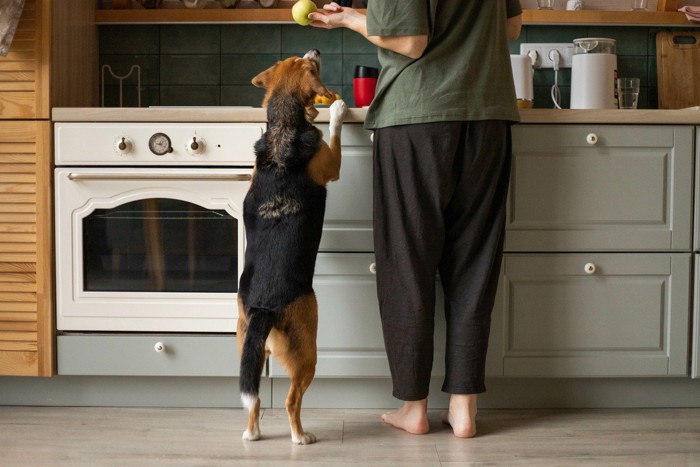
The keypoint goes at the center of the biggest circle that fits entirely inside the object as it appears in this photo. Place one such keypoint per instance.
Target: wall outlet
(545, 54)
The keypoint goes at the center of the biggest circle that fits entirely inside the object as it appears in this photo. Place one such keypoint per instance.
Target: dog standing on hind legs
(283, 215)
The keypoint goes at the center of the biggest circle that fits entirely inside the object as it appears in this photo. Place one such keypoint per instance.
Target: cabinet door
(24, 72)
(348, 222)
(350, 340)
(26, 323)
(600, 188)
(595, 315)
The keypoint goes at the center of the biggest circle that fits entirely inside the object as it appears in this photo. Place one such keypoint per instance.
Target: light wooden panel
(74, 65)
(26, 320)
(24, 72)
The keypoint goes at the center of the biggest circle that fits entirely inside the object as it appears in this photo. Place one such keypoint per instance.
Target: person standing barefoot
(443, 107)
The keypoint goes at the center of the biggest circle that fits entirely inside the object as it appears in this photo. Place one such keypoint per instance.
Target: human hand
(334, 16)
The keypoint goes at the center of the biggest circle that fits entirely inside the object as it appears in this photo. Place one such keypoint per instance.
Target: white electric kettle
(593, 71)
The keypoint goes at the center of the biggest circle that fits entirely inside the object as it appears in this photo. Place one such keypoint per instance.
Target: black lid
(362, 71)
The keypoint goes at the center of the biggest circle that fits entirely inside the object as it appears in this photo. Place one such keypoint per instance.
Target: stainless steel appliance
(149, 225)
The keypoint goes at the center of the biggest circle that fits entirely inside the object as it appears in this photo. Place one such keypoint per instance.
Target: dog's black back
(283, 211)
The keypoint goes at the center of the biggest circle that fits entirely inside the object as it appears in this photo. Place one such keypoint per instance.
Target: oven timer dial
(195, 146)
(123, 145)
(160, 144)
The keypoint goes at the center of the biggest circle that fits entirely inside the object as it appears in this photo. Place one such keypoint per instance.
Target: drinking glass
(628, 92)
(639, 5)
(545, 4)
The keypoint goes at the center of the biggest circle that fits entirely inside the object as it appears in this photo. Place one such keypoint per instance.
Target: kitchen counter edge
(222, 114)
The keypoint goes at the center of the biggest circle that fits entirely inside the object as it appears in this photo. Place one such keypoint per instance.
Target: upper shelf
(607, 17)
(283, 15)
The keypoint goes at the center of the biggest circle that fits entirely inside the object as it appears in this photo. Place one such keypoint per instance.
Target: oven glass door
(160, 245)
(149, 250)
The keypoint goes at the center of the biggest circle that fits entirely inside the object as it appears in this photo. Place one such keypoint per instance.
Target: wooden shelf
(282, 15)
(607, 17)
(186, 15)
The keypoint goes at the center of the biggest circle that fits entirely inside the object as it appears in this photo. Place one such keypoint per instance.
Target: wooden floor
(41, 436)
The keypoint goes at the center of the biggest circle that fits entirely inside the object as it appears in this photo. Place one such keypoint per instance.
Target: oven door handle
(108, 176)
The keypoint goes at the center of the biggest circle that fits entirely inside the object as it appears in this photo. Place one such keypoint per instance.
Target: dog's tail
(260, 323)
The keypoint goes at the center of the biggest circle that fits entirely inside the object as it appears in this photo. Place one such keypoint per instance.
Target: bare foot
(412, 417)
(461, 415)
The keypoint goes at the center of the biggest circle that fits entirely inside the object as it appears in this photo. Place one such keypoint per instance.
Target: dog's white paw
(306, 438)
(338, 110)
(251, 435)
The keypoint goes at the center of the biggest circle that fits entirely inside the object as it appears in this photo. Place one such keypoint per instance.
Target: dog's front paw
(338, 110)
(305, 438)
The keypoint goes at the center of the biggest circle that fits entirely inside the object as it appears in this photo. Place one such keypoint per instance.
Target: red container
(364, 90)
(364, 84)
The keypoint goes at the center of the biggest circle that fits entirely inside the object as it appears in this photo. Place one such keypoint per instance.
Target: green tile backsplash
(213, 64)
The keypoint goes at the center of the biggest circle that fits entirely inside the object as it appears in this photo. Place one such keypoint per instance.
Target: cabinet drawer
(135, 355)
(348, 221)
(630, 190)
(595, 315)
(350, 340)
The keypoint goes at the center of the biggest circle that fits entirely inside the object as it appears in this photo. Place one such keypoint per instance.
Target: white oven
(149, 224)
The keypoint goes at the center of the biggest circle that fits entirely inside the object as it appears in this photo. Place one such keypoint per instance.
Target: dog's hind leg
(294, 346)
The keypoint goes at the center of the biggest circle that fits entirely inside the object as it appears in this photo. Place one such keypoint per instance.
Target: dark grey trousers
(440, 194)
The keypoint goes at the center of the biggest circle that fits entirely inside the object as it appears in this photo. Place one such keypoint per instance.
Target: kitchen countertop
(689, 116)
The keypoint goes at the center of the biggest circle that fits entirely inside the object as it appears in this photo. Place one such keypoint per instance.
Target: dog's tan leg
(294, 346)
(252, 432)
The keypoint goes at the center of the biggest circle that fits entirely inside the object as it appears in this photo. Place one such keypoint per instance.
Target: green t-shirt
(464, 73)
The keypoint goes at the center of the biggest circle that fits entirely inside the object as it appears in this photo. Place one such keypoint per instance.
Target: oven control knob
(123, 145)
(195, 145)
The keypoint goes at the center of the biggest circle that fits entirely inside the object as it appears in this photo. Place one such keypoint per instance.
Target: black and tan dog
(283, 215)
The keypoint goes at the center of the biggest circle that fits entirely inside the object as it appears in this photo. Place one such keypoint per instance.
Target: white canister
(593, 74)
(522, 78)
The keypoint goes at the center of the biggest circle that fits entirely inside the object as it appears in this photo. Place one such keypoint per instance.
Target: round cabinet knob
(373, 268)
(195, 145)
(592, 139)
(159, 347)
(589, 268)
(123, 145)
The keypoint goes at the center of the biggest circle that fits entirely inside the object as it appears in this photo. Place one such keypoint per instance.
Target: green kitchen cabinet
(601, 188)
(594, 314)
(348, 221)
(596, 276)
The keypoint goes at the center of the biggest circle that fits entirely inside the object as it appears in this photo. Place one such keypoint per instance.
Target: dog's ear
(262, 80)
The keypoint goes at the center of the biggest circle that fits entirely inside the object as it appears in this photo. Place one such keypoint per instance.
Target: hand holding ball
(301, 10)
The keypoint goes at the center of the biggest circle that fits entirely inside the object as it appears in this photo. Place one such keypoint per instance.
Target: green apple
(301, 10)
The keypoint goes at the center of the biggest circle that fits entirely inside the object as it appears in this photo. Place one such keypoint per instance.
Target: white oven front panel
(127, 144)
(82, 191)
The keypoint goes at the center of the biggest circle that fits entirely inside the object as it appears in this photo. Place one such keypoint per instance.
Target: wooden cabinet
(26, 313)
(596, 275)
(52, 61)
(24, 72)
